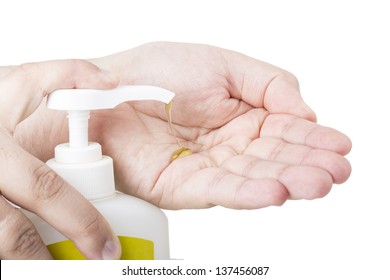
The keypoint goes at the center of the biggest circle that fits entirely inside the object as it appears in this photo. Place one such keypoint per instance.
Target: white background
(339, 50)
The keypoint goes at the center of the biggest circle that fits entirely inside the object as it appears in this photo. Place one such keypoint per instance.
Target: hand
(31, 184)
(255, 141)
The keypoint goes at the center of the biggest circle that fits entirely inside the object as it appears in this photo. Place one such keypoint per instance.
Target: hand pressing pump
(141, 227)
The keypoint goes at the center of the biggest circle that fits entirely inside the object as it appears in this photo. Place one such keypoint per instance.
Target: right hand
(31, 184)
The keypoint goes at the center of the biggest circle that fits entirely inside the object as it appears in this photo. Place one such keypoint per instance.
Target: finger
(263, 85)
(4, 70)
(19, 238)
(299, 131)
(217, 186)
(276, 150)
(23, 88)
(32, 185)
(301, 182)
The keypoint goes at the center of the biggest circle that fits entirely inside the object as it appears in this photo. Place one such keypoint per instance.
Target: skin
(255, 142)
(28, 182)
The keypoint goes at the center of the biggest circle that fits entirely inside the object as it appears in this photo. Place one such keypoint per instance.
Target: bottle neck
(85, 169)
(78, 128)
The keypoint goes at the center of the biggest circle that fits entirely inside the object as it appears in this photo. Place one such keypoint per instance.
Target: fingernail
(111, 250)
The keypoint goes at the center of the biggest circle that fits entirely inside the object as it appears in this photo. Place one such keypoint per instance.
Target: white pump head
(79, 101)
(80, 162)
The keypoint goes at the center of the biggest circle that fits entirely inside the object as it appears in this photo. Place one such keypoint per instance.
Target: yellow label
(132, 249)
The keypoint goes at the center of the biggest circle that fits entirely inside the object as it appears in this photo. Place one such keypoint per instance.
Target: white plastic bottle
(141, 227)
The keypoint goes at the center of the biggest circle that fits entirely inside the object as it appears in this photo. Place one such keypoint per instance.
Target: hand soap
(141, 227)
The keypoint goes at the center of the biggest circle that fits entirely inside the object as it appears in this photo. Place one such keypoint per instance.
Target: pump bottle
(141, 227)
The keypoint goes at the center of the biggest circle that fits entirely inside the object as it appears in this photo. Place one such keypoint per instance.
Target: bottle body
(141, 227)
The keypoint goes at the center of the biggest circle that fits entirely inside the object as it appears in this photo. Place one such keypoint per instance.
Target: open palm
(255, 142)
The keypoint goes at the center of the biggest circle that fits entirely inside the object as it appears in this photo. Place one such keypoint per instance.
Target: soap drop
(182, 151)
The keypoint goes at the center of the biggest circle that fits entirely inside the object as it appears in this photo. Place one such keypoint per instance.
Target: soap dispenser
(141, 227)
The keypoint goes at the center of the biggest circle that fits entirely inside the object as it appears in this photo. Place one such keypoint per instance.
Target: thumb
(282, 96)
(263, 85)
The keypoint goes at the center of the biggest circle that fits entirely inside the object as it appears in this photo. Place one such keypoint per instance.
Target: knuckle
(74, 69)
(288, 76)
(23, 241)
(286, 79)
(48, 185)
(291, 77)
(92, 224)
(27, 241)
(28, 75)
